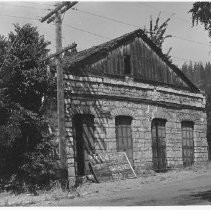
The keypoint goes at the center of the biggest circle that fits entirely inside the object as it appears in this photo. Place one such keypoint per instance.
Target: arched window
(124, 136)
(187, 143)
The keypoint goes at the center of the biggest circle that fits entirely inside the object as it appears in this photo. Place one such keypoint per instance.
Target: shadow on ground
(206, 195)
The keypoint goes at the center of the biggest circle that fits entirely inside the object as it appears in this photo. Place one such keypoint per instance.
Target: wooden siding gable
(148, 63)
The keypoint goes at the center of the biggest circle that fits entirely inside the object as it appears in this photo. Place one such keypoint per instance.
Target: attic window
(127, 66)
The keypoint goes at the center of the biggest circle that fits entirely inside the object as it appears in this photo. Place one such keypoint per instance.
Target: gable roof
(103, 49)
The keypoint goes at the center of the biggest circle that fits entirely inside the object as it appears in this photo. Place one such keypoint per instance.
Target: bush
(38, 171)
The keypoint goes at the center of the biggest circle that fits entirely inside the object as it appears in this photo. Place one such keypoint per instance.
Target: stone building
(125, 95)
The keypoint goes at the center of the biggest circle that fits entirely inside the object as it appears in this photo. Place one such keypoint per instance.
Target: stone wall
(107, 98)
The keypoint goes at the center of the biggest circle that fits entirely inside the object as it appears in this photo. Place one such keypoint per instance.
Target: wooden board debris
(111, 166)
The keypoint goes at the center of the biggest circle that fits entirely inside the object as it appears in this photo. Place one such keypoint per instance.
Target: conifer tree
(25, 85)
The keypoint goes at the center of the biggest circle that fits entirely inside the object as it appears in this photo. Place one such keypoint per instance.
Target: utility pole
(60, 101)
(51, 16)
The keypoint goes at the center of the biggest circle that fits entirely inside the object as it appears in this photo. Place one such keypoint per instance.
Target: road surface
(181, 189)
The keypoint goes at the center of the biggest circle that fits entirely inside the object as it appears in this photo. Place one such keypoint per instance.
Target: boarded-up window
(124, 136)
(159, 144)
(187, 143)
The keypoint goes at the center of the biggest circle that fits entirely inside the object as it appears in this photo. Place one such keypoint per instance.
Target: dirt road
(177, 187)
(184, 188)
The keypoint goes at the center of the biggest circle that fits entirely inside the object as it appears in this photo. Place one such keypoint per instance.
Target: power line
(40, 4)
(154, 8)
(197, 42)
(129, 24)
(21, 17)
(14, 16)
(178, 58)
(101, 36)
(193, 41)
(15, 5)
(182, 19)
(185, 59)
(105, 37)
(104, 17)
(83, 30)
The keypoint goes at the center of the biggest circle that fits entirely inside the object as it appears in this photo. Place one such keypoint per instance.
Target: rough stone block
(68, 124)
(71, 171)
(70, 161)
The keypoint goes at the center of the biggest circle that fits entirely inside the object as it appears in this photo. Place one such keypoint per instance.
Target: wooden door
(84, 137)
(187, 144)
(159, 145)
(124, 136)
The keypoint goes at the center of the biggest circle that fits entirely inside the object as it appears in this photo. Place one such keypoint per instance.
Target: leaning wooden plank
(111, 166)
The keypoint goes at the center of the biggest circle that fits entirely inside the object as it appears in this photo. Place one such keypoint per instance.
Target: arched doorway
(83, 126)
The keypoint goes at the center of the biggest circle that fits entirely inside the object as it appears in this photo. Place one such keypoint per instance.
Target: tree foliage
(157, 32)
(201, 12)
(25, 85)
(24, 77)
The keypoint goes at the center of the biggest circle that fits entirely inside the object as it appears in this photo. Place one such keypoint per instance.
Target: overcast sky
(188, 43)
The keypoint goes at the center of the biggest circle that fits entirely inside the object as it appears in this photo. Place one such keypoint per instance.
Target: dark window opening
(187, 143)
(209, 150)
(127, 66)
(4, 115)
